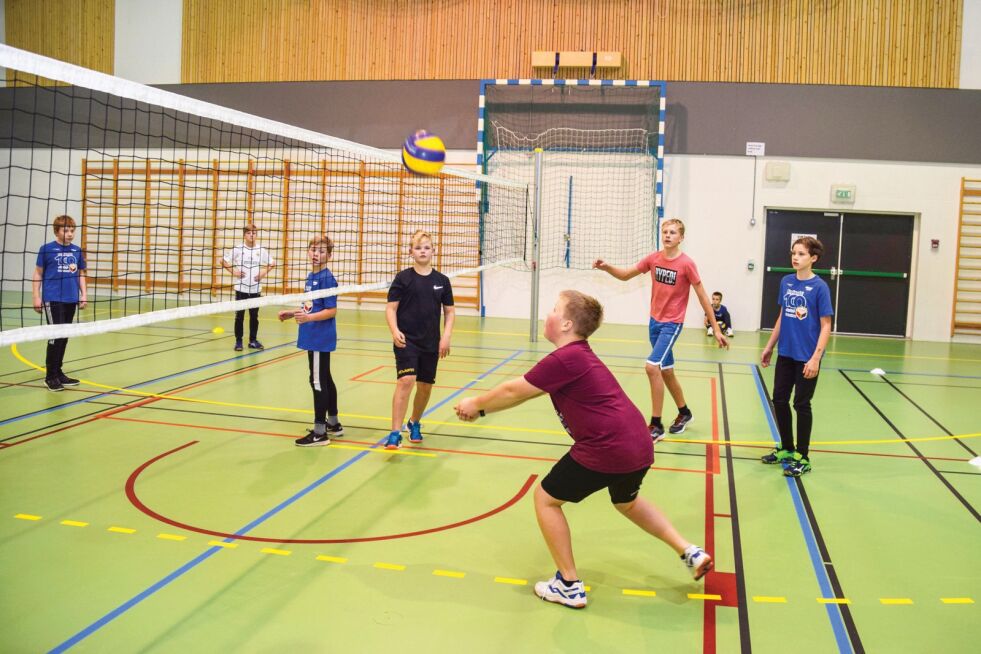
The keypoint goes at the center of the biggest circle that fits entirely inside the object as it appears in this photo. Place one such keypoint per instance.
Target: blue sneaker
(415, 431)
(394, 441)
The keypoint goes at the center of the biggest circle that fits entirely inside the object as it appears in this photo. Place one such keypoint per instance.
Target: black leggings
(324, 390)
(789, 375)
(253, 317)
(57, 313)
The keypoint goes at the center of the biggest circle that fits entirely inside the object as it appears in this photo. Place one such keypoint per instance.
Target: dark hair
(811, 244)
(717, 293)
(585, 312)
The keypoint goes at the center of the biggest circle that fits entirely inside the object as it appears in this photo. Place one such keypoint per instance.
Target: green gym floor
(161, 505)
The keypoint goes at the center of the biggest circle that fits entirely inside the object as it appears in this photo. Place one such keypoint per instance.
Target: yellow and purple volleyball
(423, 153)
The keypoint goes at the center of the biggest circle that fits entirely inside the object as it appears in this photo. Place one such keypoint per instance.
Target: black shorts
(571, 482)
(409, 360)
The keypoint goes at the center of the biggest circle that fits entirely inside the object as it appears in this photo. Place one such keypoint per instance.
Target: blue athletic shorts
(663, 335)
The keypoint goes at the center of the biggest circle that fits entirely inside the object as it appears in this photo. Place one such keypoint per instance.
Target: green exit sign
(843, 193)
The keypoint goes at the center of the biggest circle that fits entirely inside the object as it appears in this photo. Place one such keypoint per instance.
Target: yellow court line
(703, 596)
(833, 600)
(639, 593)
(390, 566)
(957, 600)
(509, 580)
(870, 441)
(221, 543)
(895, 600)
(331, 559)
(449, 573)
(273, 550)
(171, 537)
(27, 516)
(769, 600)
(74, 523)
(121, 530)
(334, 445)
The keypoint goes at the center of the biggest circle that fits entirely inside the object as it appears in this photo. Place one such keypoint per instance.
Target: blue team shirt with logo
(803, 303)
(320, 335)
(60, 271)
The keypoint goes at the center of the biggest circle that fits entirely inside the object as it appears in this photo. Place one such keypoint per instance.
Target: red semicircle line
(135, 501)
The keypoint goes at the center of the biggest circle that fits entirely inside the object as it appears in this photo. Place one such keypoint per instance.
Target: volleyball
(218, 330)
(423, 153)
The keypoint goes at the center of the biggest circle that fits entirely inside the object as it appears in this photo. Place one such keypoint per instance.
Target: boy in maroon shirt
(612, 447)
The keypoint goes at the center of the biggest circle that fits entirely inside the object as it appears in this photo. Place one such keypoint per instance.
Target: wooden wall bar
(80, 32)
(850, 42)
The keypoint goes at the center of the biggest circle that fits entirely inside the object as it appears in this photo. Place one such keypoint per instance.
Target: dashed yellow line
(121, 530)
(833, 600)
(331, 559)
(765, 599)
(957, 600)
(221, 543)
(74, 523)
(449, 573)
(893, 601)
(510, 580)
(27, 516)
(639, 593)
(704, 596)
(277, 552)
(390, 566)
(171, 537)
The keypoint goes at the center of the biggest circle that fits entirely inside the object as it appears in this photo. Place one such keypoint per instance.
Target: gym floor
(161, 505)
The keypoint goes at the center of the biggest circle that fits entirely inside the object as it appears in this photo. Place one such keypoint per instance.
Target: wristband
(481, 412)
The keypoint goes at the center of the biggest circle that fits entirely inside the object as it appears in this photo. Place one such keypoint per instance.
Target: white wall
(714, 196)
(147, 46)
(970, 77)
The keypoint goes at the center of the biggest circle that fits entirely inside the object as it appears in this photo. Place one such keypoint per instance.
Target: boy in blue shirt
(318, 336)
(803, 327)
(58, 288)
(721, 316)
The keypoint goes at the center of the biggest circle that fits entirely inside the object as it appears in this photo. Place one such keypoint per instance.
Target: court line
(842, 624)
(98, 624)
(943, 480)
(927, 414)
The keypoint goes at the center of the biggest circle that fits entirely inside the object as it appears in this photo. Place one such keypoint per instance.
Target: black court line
(943, 480)
(932, 419)
(846, 613)
(742, 610)
(961, 472)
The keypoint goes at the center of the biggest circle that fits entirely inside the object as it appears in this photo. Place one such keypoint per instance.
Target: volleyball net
(162, 185)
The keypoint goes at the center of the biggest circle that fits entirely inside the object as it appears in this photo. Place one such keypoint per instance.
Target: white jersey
(251, 261)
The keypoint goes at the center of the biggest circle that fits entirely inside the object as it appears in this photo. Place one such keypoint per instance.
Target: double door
(866, 263)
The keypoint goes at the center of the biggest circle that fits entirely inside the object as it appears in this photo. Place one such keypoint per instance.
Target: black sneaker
(335, 430)
(67, 381)
(238, 344)
(799, 465)
(312, 440)
(54, 384)
(680, 423)
(256, 345)
(657, 432)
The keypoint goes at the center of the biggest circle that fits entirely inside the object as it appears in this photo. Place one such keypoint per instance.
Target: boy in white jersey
(248, 263)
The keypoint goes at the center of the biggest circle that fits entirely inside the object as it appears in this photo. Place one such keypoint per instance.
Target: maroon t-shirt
(610, 433)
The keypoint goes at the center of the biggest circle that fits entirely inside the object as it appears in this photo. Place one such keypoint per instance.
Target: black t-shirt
(421, 299)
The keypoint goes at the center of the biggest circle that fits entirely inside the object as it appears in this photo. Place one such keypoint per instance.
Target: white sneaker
(555, 590)
(729, 331)
(708, 331)
(698, 561)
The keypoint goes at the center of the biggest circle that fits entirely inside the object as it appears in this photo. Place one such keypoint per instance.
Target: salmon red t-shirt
(610, 433)
(672, 280)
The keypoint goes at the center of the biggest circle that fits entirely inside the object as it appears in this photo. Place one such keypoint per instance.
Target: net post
(536, 215)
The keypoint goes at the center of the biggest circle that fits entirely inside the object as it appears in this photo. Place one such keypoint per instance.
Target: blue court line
(834, 613)
(187, 567)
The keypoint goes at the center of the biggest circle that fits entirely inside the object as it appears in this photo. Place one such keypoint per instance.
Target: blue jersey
(802, 304)
(320, 335)
(60, 271)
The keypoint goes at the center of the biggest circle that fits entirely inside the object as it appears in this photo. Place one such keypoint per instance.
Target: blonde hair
(675, 221)
(250, 228)
(417, 236)
(321, 239)
(585, 312)
(63, 221)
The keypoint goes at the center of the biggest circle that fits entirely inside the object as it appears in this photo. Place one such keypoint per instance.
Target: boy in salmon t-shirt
(673, 273)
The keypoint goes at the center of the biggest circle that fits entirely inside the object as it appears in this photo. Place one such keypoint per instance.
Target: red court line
(709, 635)
(366, 372)
(135, 500)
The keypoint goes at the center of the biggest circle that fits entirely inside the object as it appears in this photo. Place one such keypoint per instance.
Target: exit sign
(843, 193)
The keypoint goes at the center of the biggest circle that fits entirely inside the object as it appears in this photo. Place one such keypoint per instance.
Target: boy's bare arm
(391, 317)
(36, 286)
(503, 396)
(623, 274)
(813, 365)
(83, 295)
(449, 317)
(774, 335)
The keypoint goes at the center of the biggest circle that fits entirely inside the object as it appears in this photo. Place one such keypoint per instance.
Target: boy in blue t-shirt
(318, 336)
(721, 314)
(803, 327)
(58, 288)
